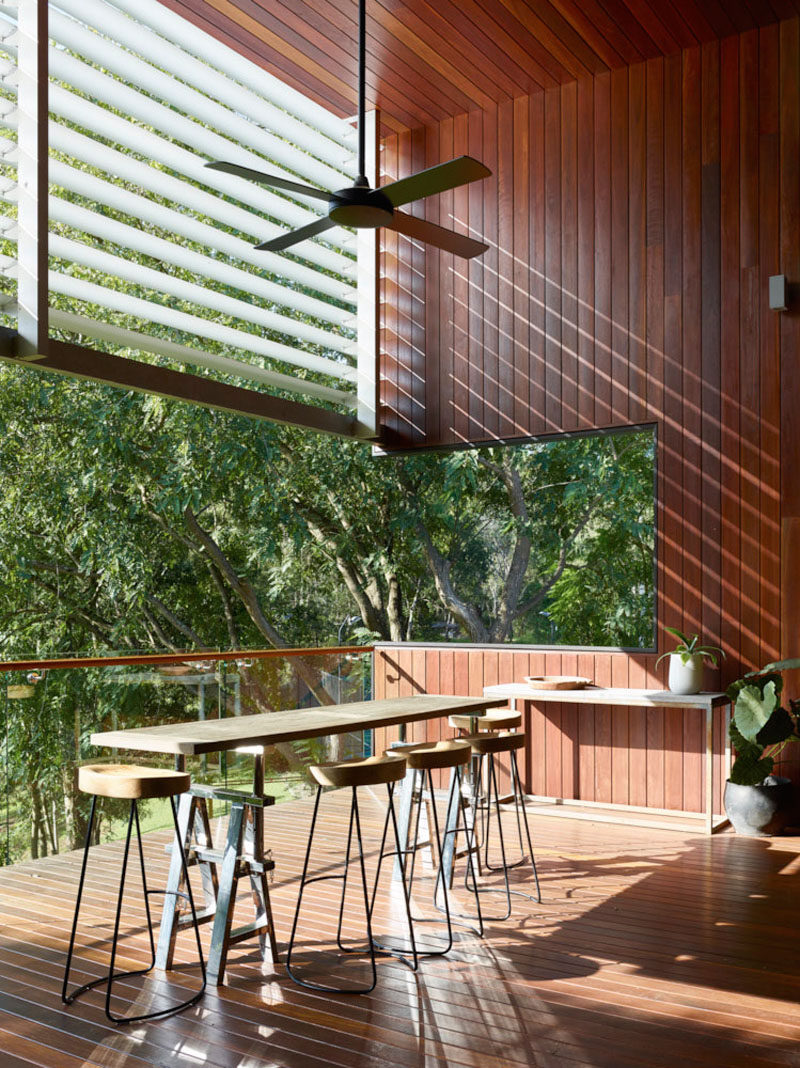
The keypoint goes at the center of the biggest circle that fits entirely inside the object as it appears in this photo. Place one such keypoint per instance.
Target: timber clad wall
(634, 220)
(622, 755)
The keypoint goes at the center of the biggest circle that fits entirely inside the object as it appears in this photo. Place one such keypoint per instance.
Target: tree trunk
(245, 592)
(69, 786)
(53, 827)
(466, 614)
(38, 823)
(394, 608)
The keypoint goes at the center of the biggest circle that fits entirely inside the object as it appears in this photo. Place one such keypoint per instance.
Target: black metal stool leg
(402, 856)
(367, 903)
(111, 977)
(347, 852)
(408, 858)
(471, 854)
(304, 881)
(517, 793)
(520, 804)
(493, 785)
(473, 858)
(478, 810)
(504, 867)
(382, 852)
(144, 887)
(290, 947)
(470, 808)
(413, 964)
(440, 880)
(417, 798)
(190, 897)
(69, 998)
(134, 818)
(491, 782)
(108, 979)
(491, 775)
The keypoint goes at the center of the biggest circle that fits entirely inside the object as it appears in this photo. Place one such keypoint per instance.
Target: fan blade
(268, 179)
(431, 234)
(278, 244)
(438, 179)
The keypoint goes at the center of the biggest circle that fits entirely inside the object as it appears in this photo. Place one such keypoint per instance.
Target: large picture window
(534, 542)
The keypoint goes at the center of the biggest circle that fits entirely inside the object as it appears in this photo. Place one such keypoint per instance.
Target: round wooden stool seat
(495, 719)
(372, 771)
(450, 753)
(129, 782)
(495, 743)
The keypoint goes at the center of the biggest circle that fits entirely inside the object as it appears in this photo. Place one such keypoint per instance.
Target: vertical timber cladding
(635, 219)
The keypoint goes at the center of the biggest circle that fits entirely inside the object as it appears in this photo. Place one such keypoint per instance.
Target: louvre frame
(33, 346)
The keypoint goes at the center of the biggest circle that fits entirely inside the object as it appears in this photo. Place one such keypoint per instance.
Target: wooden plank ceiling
(430, 59)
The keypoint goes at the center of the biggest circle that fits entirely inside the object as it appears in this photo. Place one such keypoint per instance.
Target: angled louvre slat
(83, 112)
(168, 187)
(122, 132)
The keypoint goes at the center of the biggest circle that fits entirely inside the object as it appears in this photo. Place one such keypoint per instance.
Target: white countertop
(608, 695)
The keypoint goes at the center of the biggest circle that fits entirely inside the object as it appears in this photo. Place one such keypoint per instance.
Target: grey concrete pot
(760, 810)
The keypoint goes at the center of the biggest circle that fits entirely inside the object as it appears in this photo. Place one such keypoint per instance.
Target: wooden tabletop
(609, 695)
(269, 728)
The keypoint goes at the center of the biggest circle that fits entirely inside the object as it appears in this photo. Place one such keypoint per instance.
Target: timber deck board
(650, 948)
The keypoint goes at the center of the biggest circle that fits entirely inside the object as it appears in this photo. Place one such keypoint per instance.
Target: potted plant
(687, 660)
(756, 801)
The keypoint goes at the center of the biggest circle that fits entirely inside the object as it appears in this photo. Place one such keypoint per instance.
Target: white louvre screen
(152, 253)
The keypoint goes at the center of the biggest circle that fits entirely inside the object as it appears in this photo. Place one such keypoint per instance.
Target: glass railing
(49, 709)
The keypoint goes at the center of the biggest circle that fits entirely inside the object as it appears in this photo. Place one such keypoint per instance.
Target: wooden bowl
(557, 682)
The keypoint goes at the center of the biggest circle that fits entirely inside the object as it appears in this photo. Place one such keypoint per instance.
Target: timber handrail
(154, 659)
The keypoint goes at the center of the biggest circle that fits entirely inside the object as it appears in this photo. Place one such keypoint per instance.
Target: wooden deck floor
(650, 948)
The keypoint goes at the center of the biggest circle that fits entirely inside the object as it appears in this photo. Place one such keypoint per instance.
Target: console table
(703, 703)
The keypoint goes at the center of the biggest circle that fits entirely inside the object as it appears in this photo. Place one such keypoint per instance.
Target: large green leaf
(753, 709)
(678, 634)
(779, 665)
(750, 769)
(778, 728)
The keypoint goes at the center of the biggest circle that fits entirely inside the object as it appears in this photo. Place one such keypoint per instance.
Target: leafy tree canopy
(131, 522)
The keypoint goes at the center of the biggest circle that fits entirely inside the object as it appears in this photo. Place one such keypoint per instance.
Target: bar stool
(494, 719)
(130, 783)
(372, 771)
(486, 747)
(423, 758)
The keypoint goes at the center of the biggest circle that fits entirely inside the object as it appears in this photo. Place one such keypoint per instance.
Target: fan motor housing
(360, 207)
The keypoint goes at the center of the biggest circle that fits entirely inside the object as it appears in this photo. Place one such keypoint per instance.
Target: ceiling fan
(365, 208)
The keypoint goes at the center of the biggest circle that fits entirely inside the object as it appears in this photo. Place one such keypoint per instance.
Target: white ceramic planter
(688, 677)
